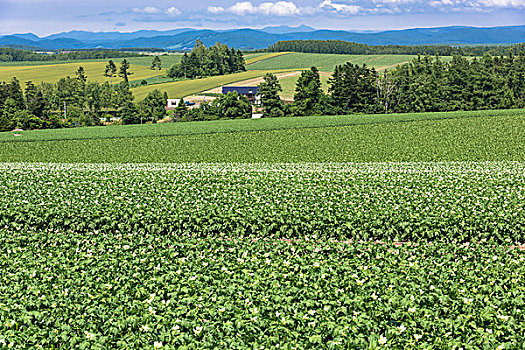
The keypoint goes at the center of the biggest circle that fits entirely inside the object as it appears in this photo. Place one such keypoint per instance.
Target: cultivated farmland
(366, 231)
(429, 139)
(327, 62)
(144, 256)
(52, 73)
(185, 88)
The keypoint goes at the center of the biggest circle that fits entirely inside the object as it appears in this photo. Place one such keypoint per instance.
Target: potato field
(348, 232)
(260, 256)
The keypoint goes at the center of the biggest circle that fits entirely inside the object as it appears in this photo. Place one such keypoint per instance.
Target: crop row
(386, 201)
(146, 291)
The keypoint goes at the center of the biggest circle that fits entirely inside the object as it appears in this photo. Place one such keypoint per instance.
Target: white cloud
(342, 8)
(173, 11)
(215, 9)
(147, 9)
(361, 7)
(279, 8)
(503, 3)
(242, 8)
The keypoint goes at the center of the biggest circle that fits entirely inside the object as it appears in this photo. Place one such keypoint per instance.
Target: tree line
(352, 48)
(426, 84)
(17, 55)
(75, 101)
(208, 61)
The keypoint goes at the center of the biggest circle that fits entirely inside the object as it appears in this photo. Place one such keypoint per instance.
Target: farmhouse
(249, 91)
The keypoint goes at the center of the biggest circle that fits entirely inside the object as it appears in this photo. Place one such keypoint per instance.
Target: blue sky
(52, 16)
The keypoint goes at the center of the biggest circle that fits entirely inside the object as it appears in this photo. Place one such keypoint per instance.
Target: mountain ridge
(248, 38)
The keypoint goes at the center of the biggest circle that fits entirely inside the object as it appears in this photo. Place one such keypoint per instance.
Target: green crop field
(239, 125)
(171, 256)
(394, 231)
(484, 137)
(53, 72)
(327, 62)
(184, 88)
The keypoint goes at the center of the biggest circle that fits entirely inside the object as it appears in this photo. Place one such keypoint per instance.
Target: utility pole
(65, 110)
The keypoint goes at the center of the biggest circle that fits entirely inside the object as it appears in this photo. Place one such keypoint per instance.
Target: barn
(249, 91)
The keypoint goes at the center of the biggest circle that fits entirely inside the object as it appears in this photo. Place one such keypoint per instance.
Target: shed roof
(243, 90)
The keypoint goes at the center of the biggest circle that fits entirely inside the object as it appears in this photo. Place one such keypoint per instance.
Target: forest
(17, 55)
(75, 101)
(208, 61)
(351, 48)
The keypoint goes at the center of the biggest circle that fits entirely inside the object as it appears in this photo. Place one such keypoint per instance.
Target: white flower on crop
(222, 309)
(157, 345)
(283, 320)
(144, 328)
(255, 310)
(417, 336)
(382, 340)
(193, 278)
(197, 330)
(268, 262)
(286, 263)
(412, 310)
(176, 328)
(495, 257)
(224, 268)
(253, 319)
(151, 311)
(503, 318)
(316, 264)
(89, 336)
(311, 312)
(500, 347)
(402, 328)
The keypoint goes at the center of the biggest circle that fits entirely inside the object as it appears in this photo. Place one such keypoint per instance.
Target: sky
(53, 16)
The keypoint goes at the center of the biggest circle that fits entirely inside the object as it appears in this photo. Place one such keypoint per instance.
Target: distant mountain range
(184, 38)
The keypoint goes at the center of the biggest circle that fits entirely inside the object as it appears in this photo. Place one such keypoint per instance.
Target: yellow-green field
(254, 59)
(288, 85)
(185, 88)
(53, 72)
